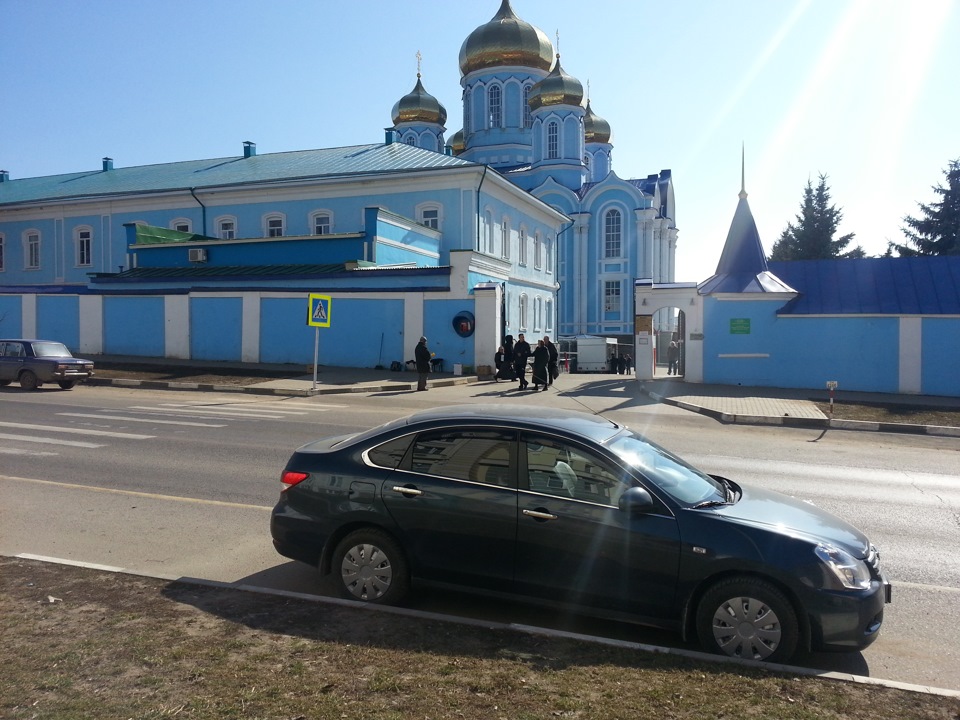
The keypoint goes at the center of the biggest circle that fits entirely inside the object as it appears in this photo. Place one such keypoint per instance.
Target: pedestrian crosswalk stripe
(76, 431)
(157, 421)
(49, 441)
(210, 412)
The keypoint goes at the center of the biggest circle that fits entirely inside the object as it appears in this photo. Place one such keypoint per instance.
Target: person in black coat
(498, 363)
(521, 351)
(553, 364)
(541, 357)
(422, 356)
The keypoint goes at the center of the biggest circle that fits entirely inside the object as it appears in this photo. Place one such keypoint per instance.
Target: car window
(390, 454)
(50, 349)
(564, 470)
(481, 455)
(12, 349)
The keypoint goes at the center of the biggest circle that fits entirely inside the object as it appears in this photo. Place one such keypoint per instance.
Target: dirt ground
(81, 643)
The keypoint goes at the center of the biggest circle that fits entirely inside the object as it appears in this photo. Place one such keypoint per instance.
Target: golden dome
(457, 144)
(419, 106)
(595, 128)
(557, 88)
(506, 40)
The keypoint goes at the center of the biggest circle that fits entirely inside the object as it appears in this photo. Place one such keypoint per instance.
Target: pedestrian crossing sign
(318, 312)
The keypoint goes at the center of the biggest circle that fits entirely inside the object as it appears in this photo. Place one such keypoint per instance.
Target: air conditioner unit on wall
(197, 255)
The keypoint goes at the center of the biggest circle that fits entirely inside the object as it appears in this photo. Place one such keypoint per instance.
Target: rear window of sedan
(50, 349)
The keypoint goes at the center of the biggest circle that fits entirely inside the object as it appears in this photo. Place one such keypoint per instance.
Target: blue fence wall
(59, 317)
(216, 328)
(133, 326)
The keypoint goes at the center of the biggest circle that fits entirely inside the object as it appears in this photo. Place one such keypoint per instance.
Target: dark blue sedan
(562, 507)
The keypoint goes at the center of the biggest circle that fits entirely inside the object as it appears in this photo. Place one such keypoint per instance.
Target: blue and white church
(516, 223)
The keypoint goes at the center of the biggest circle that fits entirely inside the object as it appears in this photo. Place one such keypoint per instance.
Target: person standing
(629, 360)
(553, 362)
(498, 363)
(673, 357)
(541, 357)
(422, 356)
(521, 351)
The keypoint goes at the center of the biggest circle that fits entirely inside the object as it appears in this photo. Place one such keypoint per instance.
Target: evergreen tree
(938, 231)
(812, 236)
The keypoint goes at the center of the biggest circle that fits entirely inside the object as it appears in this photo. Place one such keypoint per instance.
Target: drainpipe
(204, 210)
(482, 178)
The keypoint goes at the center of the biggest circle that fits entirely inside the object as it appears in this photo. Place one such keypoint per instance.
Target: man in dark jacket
(422, 356)
(521, 351)
(553, 364)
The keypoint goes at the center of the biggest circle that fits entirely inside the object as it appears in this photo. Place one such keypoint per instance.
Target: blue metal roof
(927, 285)
(270, 167)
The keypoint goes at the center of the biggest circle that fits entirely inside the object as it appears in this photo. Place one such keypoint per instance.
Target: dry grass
(894, 413)
(88, 644)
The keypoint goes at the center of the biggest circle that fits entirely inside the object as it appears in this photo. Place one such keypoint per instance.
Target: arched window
(411, 140)
(181, 225)
(274, 225)
(524, 311)
(527, 118)
(553, 140)
(488, 232)
(548, 247)
(522, 254)
(31, 250)
(226, 227)
(548, 315)
(505, 239)
(428, 214)
(538, 314)
(494, 106)
(321, 221)
(612, 233)
(83, 241)
(537, 252)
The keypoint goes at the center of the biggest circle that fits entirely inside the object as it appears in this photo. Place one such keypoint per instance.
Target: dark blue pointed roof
(743, 265)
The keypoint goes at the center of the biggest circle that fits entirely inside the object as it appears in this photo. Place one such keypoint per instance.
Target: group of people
(511, 361)
(621, 364)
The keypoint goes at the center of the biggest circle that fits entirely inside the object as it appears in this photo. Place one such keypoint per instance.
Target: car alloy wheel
(29, 380)
(371, 567)
(747, 618)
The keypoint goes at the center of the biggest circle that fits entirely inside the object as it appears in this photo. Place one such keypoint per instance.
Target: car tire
(747, 618)
(67, 384)
(29, 380)
(369, 565)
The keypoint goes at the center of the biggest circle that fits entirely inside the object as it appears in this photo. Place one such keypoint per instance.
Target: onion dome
(419, 106)
(457, 144)
(506, 40)
(595, 128)
(557, 88)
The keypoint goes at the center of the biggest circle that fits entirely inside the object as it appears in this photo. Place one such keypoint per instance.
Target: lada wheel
(29, 380)
(747, 618)
(370, 566)
(67, 384)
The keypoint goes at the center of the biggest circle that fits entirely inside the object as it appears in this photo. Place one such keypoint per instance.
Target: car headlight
(852, 573)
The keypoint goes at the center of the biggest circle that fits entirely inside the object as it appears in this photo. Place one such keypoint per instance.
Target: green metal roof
(345, 162)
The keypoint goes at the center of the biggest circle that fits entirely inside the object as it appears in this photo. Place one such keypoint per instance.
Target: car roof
(534, 417)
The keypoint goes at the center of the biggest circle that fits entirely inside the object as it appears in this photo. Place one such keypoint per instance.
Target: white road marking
(31, 453)
(127, 418)
(204, 412)
(49, 441)
(76, 431)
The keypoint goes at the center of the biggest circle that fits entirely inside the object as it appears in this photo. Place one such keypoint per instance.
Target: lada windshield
(50, 349)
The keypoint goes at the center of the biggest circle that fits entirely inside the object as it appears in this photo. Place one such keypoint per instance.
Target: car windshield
(50, 349)
(675, 477)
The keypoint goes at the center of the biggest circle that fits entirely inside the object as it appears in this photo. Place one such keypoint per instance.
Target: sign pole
(316, 355)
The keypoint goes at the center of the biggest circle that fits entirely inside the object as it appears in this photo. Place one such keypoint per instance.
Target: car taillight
(291, 478)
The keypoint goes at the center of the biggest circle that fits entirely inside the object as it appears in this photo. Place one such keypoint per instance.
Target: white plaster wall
(911, 355)
(91, 324)
(250, 330)
(176, 326)
(28, 315)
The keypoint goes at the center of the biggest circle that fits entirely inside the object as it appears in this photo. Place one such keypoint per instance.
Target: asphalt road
(179, 484)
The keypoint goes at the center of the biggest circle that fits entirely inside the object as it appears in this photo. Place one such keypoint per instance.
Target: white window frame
(527, 117)
(186, 222)
(83, 244)
(612, 236)
(548, 316)
(269, 227)
(424, 219)
(31, 249)
(553, 140)
(537, 251)
(548, 248)
(524, 311)
(488, 241)
(537, 314)
(612, 289)
(522, 254)
(229, 234)
(505, 238)
(315, 216)
(495, 109)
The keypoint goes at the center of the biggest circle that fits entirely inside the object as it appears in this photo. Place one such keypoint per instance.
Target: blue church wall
(254, 252)
(859, 353)
(11, 316)
(216, 328)
(133, 326)
(940, 349)
(442, 339)
(58, 317)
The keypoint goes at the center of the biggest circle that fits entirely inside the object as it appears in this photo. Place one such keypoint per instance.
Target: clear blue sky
(865, 91)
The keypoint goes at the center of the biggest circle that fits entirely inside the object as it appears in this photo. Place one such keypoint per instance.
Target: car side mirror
(636, 500)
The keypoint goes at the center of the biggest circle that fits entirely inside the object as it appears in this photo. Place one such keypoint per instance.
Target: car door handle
(408, 491)
(540, 515)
